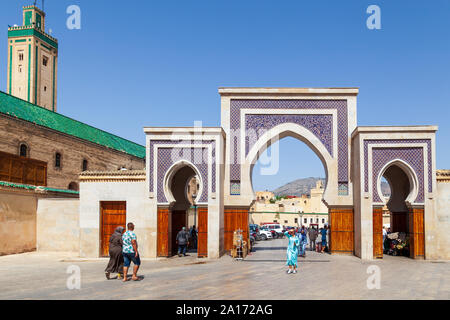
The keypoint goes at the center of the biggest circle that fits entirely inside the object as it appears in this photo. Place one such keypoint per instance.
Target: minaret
(32, 60)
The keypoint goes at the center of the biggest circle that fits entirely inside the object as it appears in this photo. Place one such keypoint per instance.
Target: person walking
(323, 232)
(115, 264)
(193, 236)
(182, 241)
(312, 238)
(292, 251)
(130, 253)
(303, 241)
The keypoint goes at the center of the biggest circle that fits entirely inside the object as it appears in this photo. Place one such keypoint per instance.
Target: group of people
(123, 249)
(298, 239)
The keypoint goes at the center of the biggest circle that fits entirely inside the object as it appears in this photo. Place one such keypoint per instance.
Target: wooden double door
(113, 214)
(341, 231)
(411, 222)
(171, 221)
(234, 219)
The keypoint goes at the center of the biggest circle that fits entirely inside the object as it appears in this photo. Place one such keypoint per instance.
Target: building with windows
(291, 211)
(43, 152)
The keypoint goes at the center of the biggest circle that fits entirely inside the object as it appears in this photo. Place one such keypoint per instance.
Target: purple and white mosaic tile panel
(174, 154)
(166, 159)
(410, 158)
(319, 126)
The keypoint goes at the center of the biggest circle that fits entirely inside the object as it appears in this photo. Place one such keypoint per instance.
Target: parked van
(275, 227)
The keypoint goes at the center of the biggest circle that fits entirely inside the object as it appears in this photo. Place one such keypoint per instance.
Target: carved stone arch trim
(301, 133)
(410, 173)
(170, 173)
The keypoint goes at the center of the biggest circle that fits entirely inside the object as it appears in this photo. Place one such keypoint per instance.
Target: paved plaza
(261, 276)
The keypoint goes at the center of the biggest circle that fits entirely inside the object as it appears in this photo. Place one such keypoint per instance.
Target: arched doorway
(341, 231)
(295, 131)
(181, 198)
(291, 196)
(406, 219)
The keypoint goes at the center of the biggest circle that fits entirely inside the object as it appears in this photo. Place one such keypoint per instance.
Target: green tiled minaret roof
(21, 109)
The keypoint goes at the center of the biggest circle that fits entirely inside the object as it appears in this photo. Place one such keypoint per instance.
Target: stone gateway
(355, 159)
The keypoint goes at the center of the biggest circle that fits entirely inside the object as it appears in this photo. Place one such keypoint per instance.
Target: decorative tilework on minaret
(32, 60)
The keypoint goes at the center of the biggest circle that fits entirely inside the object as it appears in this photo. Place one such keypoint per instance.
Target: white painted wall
(58, 225)
(138, 209)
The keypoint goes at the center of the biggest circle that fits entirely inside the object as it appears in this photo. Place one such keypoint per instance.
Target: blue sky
(159, 63)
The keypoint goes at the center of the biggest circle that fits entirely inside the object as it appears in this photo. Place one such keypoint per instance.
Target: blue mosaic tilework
(235, 188)
(343, 189)
(340, 105)
(397, 141)
(412, 156)
(168, 156)
(192, 159)
(320, 125)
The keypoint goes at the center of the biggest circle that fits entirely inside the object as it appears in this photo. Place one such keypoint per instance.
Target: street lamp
(301, 218)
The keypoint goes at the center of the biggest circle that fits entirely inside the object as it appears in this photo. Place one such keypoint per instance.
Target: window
(44, 61)
(20, 68)
(23, 150)
(323, 220)
(285, 221)
(311, 220)
(20, 55)
(45, 88)
(275, 220)
(296, 220)
(317, 220)
(305, 220)
(85, 165)
(73, 186)
(57, 160)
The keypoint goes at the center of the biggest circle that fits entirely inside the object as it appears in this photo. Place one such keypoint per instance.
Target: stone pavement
(261, 276)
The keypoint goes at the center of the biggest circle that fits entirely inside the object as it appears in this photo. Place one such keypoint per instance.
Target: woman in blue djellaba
(292, 251)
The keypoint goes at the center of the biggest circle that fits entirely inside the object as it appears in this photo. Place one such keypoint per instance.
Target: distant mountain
(297, 187)
(304, 185)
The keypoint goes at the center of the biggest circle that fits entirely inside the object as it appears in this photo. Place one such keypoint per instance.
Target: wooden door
(235, 218)
(178, 222)
(202, 242)
(416, 233)
(162, 241)
(113, 214)
(399, 222)
(341, 235)
(377, 225)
